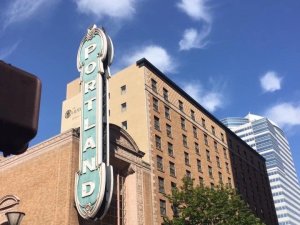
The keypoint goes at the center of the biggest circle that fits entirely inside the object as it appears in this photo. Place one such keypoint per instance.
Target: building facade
(171, 136)
(268, 139)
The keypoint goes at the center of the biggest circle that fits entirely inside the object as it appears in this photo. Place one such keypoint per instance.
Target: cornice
(40, 148)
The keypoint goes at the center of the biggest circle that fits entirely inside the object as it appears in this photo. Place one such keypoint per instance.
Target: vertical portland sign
(94, 179)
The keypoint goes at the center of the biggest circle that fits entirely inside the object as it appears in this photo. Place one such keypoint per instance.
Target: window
(124, 125)
(225, 153)
(210, 172)
(205, 139)
(199, 167)
(155, 104)
(166, 94)
(173, 185)
(180, 105)
(161, 185)
(203, 122)
(213, 131)
(201, 181)
(229, 182)
(222, 137)
(169, 130)
(123, 90)
(186, 159)
(188, 173)
(220, 178)
(216, 146)
(170, 149)
(154, 85)
(123, 107)
(159, 163)
(207, 155)
(156, 123)
(158, 142)
(162, 207)
(167, 112)
(218, 162)
(227, 167)
(182, 123)
(193, 115)
(172, 169)
(195, 132)
(197, 150)
(184, 141)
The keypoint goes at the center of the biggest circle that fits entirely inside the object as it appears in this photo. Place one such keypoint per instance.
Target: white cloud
(196, 9)
(211, 100)
(194, 39)
(157, 55)
(118, 9)
(21, 10)
(6, 52)
(270, 82)
(285, 114)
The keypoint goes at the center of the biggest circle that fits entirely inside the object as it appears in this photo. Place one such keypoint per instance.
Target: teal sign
(94, 179)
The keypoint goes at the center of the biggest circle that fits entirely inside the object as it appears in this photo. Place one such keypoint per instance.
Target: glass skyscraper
(268, 139)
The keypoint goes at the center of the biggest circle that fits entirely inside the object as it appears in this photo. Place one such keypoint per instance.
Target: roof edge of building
(149, 65)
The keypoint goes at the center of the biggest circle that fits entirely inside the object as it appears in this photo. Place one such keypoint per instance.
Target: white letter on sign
(89, 86)
(88, 50)
(86, 125)
(85, 191)
(89, 144)
(89, 103)
(90, 68)
(89, 164)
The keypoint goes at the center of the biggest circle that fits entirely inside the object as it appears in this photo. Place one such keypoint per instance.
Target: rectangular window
(169, 130)
(201, 181)
(229, 182)
(197, 149)
(172, 169)
(199, 166)
(195, 132)
(222, 137)
(123, 107)
(213, 131)
(186, 159)
(227, 167)
(216, 146)
(207, 155)
(210, 172)
(167, 112)
(124, 125)
(180, 105)
(158, 142)
(159, 163)
(166, 94)
(203, 123)
(182, 122)
(170, 149)
(184, 140)
(161, 185)
(173, 185)
(155, 104)
(154, 85)
(225, 153)
(156, 123)
(188, 173)
(218, 162)
(162, 207)
(193, 115)
(205, 139)
(123, 90)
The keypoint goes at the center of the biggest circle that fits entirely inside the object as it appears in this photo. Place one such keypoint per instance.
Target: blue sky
(233, 56)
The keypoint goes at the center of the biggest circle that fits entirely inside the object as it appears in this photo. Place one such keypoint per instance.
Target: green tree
(208, 206)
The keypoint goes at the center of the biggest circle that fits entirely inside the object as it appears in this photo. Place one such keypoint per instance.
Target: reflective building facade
(268, 139)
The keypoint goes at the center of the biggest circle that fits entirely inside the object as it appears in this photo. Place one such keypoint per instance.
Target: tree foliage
(208, 206)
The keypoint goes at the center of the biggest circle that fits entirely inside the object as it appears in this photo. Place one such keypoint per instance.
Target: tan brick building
(177, 136)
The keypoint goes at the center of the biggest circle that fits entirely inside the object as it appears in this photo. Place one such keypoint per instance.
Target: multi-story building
(171, 136)
(268, 139)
